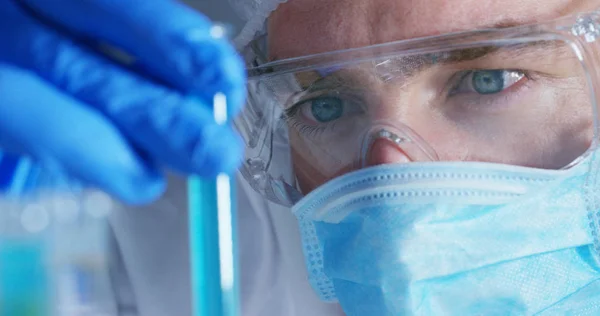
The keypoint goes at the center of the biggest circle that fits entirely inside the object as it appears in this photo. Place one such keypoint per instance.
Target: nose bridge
(394, 142)
(397, 98)
(395, 112)
(394, 97)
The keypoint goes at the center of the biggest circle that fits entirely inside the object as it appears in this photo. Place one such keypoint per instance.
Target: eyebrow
(260, 42)
(409, 66)
(478, 53)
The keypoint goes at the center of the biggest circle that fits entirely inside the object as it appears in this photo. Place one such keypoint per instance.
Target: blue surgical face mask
(454, 239)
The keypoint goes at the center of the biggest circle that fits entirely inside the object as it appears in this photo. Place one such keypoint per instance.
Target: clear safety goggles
(521, 96)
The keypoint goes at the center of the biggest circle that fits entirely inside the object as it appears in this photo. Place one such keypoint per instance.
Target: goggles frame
(259, 123)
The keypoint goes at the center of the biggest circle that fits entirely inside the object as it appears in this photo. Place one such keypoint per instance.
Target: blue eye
(488, 81)
(326, 109)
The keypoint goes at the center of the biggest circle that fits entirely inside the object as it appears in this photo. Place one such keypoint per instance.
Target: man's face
(303, 27)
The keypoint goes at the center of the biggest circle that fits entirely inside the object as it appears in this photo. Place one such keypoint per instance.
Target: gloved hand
(67, 106)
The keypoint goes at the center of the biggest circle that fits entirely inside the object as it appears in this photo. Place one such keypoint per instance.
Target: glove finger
(172, 129)
(59, 131)
(169, 39)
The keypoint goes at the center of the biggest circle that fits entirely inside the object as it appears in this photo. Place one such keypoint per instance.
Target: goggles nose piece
(387, 144)
(383, 133)
(386, 148)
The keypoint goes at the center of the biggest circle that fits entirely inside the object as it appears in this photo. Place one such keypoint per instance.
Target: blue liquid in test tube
(212, 228)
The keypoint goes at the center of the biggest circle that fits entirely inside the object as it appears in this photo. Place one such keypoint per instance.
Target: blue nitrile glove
(67, 106)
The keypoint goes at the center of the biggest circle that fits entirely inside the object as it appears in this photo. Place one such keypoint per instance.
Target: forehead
(301, 27)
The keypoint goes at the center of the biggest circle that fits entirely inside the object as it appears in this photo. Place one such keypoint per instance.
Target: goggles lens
(526, 103)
